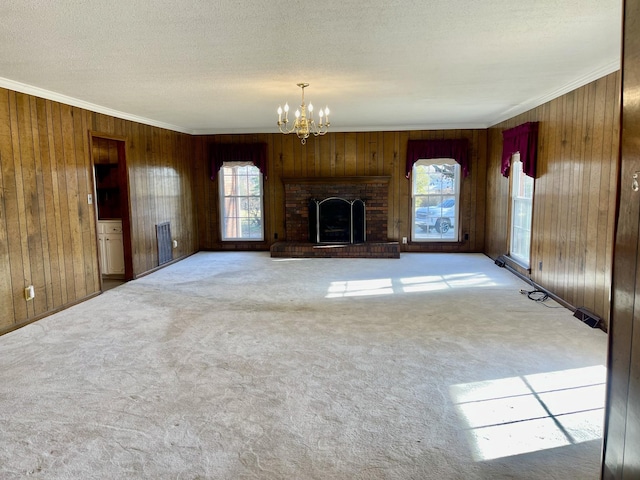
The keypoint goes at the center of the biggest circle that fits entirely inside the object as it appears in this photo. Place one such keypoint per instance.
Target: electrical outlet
(540, 265)
(175, 244)
(29, 293)
(404, 240)
(90, 199)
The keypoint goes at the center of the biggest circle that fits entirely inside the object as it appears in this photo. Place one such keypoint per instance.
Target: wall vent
(587, 317)
(163, 234)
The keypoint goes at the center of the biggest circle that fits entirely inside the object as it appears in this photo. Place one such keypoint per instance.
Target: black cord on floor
(539, 296)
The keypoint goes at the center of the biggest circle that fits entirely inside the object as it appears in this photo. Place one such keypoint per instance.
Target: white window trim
(436, 161)
(222, 203)
(522, 261)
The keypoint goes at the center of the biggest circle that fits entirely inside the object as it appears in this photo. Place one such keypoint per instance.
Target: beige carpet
(239, 366)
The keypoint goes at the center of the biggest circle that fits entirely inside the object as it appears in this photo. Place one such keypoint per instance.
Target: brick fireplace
(373, 190)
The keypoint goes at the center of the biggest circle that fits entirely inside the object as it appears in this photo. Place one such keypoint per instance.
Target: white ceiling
(206, 66)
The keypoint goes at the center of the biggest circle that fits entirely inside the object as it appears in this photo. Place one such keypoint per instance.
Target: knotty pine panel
(574, 196)
(340, 155)
(48, 233)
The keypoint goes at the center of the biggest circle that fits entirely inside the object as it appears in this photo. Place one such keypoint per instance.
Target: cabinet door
(102, 250)
(115, 253)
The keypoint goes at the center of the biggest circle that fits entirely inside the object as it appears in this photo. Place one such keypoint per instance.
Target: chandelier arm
(304, 125)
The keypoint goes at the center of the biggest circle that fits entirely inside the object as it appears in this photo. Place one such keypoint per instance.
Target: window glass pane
(521, 214)
(241, 205)
(435, 188)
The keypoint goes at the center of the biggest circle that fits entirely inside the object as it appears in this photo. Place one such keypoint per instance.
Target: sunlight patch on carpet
(512, 416)
(388, 286)
(360, 288)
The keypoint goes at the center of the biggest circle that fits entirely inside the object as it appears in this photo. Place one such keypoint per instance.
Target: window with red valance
(523, 139)
(457, 149)
(255, 153)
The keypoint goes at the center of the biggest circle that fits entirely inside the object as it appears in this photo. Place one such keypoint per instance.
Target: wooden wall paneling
(61, 203)
(159, 175)
(467, 209)
(492, 242)
(210, 213)
(47, 227)
(146, 204)
(86, 211)
(381, 167)
(371, 153)
(198, 168)
(181, 180)
(472, 211)
(371, 160)
(563, 218)
(137, 214)
(572, 225)
(403, 187)
(150, 201)
(167, 172)
(595, 282)
(175, 187)
(303, 154)
(578, 170)
(360, 153)
(122, 160)
(7, 192)
(574, 178)
(338, 154)
(350, 154)
(477, 232)
(271, 191)
(66, 114)
(547, 277)
(35, 208)
(136, 178)
(288, 154)
(614, 86)
(584, 273)
(331, 152)
(313, 161)
(388, 167)
(323, 157)
(542, 194)
(18, 232)
(47, 219)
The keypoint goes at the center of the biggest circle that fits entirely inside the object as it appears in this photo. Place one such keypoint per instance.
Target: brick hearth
(374, 191)
(355, 250)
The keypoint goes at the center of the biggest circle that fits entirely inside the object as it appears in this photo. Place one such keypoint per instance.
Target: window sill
(517, 263)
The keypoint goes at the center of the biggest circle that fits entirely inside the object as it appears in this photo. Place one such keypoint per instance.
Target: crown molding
(75, 102)
(569, 87)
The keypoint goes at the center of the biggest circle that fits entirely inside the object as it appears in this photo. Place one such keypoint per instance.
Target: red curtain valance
(523, 139)
(237, 152)
(457, 149)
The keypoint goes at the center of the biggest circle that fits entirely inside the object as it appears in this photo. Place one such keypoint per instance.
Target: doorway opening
(112, 209)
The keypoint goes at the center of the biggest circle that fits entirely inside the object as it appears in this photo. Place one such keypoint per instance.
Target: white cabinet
(111, 247)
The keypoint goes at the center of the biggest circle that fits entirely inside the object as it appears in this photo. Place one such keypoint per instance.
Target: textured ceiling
(203, 66)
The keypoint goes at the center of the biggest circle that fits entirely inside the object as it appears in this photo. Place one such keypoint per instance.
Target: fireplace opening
(337, 220)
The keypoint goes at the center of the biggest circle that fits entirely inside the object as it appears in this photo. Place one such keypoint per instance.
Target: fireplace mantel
(336, 180)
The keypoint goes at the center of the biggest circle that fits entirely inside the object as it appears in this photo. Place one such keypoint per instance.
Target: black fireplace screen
(337, 220)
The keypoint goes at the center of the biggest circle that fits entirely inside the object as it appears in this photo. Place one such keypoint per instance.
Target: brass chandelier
(303, 125)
